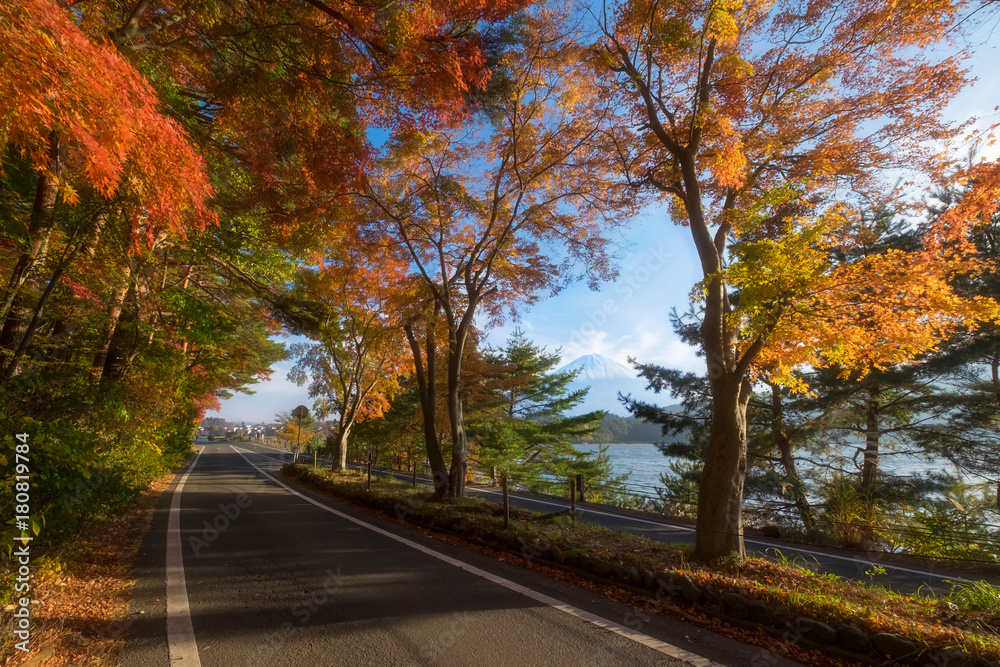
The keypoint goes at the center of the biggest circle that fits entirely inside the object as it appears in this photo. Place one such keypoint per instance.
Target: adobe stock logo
(652, 262)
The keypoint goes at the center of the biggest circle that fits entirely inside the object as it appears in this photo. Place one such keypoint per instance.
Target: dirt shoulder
(80, 592)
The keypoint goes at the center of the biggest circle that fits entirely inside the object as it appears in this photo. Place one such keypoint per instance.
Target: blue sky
(629, 317)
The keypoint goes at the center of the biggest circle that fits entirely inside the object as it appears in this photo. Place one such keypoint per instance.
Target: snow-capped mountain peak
(606, 378)
(598, 367)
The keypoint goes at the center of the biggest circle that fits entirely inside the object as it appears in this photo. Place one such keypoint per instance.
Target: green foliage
(980, 596)
(303, 433)
(851, 516)
(679, 494)
(614, 429)
(956, 523)
(396, 434)
(87, 470)
(521, 429)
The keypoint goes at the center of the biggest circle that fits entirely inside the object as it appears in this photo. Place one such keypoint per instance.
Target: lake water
(644, 463)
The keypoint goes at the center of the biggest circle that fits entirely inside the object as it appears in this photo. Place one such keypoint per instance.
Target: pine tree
(526, 435)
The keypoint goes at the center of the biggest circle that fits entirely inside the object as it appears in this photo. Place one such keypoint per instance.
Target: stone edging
(850, 641)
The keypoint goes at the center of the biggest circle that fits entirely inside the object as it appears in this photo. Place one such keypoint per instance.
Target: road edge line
(181, 645)
(766, 544)
(660, 646)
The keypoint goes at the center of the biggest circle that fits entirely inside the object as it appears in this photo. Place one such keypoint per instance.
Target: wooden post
(369, 472)
(506, 501)
(579, 486)
(315, 457)
(572, 498)
(414, 474)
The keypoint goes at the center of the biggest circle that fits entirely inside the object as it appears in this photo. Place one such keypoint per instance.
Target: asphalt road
(265, 573)
(898, 576)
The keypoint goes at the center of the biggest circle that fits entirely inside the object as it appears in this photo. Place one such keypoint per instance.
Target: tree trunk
(719, 528)
(426, 387)
(58, 350)
(340, 448)
(784, 445)
(459, 439)
(457, 336)
(35, 319)
(114, 311)
(995, 374)
(869, 469)
(39, 226)
(15, 326)
(124, 341)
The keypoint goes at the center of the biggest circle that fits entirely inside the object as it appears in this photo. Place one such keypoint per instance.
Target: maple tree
(475, 206)
(300, 434)
(396, 435)
(353, 368)
(87, 110)
(968, 400)
(423, 334)
(290, 88)
(83, 114)
(754, 119)
(89, 120)
(83, 118)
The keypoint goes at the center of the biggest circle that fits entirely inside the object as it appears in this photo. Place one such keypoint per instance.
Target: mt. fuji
(606, 377)
(598, 367)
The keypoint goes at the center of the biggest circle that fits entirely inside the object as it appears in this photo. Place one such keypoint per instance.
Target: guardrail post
(579, 486)
(414, 474)
(572, 498)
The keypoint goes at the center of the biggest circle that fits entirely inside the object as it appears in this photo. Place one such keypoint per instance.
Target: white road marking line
(780, 545)
(181, 644)
(650, 642)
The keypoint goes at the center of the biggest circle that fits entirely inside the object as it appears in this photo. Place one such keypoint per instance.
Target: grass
(968, 618)
(980, 596)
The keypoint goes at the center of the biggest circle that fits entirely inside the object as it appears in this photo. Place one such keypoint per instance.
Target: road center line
(181, 644)
(650, 642)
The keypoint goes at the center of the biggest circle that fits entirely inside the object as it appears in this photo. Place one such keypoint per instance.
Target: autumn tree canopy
(353, 368)
(290, 88)
(479, 208)
(165, 168)
(757, 121)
